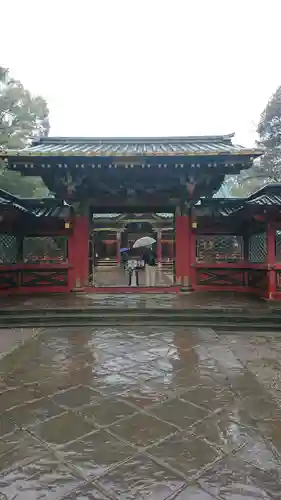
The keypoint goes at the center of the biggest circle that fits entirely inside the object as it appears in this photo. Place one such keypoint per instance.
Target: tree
(267, 168)
(247, 182)
(269, 130)
(22, 117)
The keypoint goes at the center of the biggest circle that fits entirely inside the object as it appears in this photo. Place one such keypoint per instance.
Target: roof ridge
(261, 189)
(132, 140)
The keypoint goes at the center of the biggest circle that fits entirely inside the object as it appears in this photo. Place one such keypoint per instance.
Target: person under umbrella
(124, 257)
(146, 243)
(132, 268)
(150, 266)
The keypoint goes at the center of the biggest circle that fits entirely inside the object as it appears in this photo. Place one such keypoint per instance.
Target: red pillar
(78, 252)
(182, 257)
(271, 261)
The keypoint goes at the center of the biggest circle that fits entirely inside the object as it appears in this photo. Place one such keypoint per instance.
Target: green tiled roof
(133, 147)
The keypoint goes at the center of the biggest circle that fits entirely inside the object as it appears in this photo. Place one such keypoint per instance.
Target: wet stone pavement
(148, 413)
(88, 301)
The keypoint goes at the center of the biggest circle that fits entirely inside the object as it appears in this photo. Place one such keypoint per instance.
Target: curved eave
(25, 155)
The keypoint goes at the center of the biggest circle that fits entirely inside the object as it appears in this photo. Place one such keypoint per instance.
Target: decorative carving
(221, 277)
(71, 184)
(43, 277)
(183, 190)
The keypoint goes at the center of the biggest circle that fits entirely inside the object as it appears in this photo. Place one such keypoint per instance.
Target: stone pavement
(117, 276)
(193, 300)
(13, 338)
(147, 413)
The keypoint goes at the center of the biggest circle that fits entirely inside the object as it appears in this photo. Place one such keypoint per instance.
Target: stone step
(106, 263)
(113, 263)
(225, 320)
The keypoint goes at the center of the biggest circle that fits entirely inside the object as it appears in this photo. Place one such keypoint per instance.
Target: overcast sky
(146, 67)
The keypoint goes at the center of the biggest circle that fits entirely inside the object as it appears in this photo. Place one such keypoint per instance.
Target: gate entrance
(112, 233)
(140, 180)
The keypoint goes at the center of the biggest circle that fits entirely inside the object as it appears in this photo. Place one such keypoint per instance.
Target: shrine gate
(219, 244)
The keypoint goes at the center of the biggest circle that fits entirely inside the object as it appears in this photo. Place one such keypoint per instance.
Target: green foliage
(267, 168)
(26, 187)
(22, 117)
(269, 130)
(246, 183)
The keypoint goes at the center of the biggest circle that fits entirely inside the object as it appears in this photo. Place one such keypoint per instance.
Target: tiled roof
(266, 200)
(59, 211)
(133, 147)
(224, 191)
(9, 200)
(269, 195)
(36, 207)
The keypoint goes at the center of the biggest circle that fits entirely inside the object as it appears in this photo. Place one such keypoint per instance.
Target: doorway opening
(112, 233)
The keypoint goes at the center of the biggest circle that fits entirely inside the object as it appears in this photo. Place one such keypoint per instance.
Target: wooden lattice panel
(257, 248)
(8, 249)
(219, 248)
(47, 249)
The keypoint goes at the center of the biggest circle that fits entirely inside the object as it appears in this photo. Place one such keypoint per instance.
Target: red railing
(230, 263)
(24, 270)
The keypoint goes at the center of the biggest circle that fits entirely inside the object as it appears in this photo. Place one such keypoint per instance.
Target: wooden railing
(226, 263)
(34, 278)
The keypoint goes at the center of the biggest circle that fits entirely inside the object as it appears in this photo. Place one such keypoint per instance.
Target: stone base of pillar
(78, 287)
(134, 278)
(186, 281)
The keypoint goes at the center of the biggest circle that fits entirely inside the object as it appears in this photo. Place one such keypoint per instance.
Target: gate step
(225, 321)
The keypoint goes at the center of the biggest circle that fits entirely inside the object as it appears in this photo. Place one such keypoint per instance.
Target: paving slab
(116, 276)
(190, 300)
(12, 338)
(141, 413)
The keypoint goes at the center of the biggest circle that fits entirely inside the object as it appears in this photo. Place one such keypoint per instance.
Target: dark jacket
(149, 257)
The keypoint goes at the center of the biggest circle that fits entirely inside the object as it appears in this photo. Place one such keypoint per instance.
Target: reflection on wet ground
(116, 276)
(86, 301)
(148, 413)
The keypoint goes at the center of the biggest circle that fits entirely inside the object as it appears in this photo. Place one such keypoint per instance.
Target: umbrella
(124, 250)
(145, 241)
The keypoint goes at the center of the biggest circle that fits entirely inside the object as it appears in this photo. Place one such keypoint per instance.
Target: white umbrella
(145, 241)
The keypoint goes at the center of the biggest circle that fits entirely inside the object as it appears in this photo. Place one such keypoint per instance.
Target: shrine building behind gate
(49, 245)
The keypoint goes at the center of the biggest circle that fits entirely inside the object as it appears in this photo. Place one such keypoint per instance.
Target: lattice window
(278, 246)
(257, 248)
(219, 248)
(8, 249)
(45, 249)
